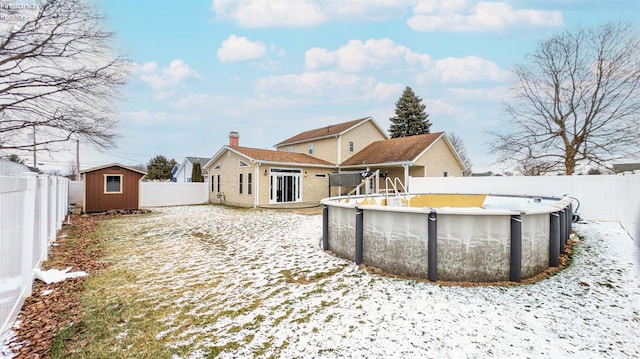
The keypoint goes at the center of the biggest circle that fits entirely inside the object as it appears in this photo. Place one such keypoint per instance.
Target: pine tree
(410, 118)
(160, 168)
(196, 173)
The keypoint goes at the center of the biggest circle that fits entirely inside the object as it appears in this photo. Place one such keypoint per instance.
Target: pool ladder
(391, 186)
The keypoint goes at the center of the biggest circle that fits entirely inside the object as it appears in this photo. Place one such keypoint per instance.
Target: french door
(285, 185)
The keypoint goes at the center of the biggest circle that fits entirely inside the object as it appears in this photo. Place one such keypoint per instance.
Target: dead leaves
(56, 306)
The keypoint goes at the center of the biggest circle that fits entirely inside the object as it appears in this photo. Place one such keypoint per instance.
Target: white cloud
(316, 83)
(260, 13)
(464, 15)
(145, 117)
(305, 13)
(240, 49)
(466, 69)
(357, 56)
(170, 76)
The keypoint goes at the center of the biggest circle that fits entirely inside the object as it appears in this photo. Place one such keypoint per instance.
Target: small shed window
(112, 183)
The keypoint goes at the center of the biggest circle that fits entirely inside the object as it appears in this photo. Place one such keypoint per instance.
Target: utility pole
(34, 146)
(77, 160)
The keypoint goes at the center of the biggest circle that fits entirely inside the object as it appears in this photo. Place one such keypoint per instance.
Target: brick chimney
(234, 139)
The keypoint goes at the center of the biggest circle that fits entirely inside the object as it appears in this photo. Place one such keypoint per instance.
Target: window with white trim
(351, 147)
(112, 184)
(310, 148)
(249, 184)
(243, 164)
(240, 183)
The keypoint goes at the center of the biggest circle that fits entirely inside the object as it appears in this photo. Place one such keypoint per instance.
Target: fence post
(432, 246)
(515, 269)
(359, 236)
(563, 229)
(28, 223)
(554, 239)
(325, 227)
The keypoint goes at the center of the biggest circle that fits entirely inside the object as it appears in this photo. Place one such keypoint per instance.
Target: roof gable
(328, 131)
(395, 150)
(112, 165)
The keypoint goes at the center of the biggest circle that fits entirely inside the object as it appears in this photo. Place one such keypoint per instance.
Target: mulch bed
(43, 316)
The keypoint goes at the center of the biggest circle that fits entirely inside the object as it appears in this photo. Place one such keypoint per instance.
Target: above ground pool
(449, 237)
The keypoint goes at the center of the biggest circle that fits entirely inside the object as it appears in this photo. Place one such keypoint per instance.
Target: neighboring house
(10, 168)
(626, 167)
(111, 187)
(297, 173)
(185, 169)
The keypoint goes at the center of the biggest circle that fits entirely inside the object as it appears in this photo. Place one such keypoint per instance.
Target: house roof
(395, 150)
(327, 131)
(271, 156)
(111, 165)
(202, 160)
(626, 167)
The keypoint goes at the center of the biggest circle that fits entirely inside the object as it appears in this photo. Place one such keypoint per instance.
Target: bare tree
(59, 76)
(576, 102)
(458, 145)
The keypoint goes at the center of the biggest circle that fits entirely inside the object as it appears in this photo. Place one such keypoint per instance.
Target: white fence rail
(603, 197)
(32, 209)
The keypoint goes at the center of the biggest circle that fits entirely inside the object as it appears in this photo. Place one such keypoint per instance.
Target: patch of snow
(55, 275)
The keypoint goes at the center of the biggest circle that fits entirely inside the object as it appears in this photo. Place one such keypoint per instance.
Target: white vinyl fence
(158, 194)
(601, 197)
(32, 209)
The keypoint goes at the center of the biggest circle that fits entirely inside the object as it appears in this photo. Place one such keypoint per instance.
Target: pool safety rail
(476, 238)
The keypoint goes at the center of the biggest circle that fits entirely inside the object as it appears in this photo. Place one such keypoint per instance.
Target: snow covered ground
(255, 281)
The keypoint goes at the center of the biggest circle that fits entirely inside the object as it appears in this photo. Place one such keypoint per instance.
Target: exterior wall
(95, 198)
(324, 149)
(184, 172)
(439, 159)
(229, 172)
(327, 149)
(362, 136)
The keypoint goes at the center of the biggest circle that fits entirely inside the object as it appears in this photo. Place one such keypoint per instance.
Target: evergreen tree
(410, 118)
(196, 173)
(160, 168)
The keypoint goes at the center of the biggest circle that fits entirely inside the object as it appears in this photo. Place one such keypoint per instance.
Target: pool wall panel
(342, 232)
(473, 248)
(396, 241)
(535, 244)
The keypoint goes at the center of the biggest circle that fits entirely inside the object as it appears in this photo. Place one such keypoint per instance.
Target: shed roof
(395, 150)
(111, 165)
(328, 131)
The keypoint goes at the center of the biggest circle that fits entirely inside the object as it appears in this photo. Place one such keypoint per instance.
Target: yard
(212, 281)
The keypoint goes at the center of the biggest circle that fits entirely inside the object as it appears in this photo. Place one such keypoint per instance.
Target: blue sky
(272, 68)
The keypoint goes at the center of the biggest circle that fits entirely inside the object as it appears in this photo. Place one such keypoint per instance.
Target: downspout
(406, 176)
(339, 142)
(256, 196)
